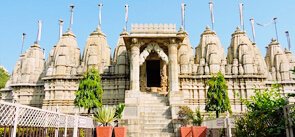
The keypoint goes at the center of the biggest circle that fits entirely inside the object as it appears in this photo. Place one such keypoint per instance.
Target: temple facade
(154, 69)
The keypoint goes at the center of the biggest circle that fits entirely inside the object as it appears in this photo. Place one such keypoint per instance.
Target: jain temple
(153, 70)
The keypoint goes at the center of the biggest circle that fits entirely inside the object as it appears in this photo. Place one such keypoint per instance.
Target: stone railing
(153, 28)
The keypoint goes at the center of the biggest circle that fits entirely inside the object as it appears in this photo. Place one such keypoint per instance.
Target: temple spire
(39, 32)
(72, 17)
(60, 27)
(99, 15)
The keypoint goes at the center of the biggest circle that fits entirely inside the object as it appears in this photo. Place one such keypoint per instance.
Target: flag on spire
(72, 17)
(241, 6)
(126, 15)
(99, 15)
(288, 40)
(60, 27)
(275, 23)
(183, 15)
(23, 42)
(253, 28)
(211, 6)
(39, 32)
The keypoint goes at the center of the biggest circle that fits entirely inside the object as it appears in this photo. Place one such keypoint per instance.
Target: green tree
(264, 116)
(4, 76)
(217, 96)
(89, 94)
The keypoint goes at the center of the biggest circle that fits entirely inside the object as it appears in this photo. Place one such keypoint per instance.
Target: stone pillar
(173, 66)
(134, 65)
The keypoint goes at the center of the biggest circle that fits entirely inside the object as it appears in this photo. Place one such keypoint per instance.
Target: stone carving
(153, 47)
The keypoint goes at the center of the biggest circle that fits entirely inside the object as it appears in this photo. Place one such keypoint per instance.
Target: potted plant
(119, 131)
(197, 120)
(184, 115)
(104, 115)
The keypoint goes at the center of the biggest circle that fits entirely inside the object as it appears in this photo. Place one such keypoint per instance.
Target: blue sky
(18, 16)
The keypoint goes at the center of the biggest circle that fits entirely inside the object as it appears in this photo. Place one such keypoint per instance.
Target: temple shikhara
(153, 70)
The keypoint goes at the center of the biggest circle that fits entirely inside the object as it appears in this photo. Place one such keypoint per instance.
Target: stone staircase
(156, 116)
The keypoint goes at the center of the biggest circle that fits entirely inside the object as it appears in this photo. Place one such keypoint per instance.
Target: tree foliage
(265, 117)
(4, 76)
(217, 96)
(89, 94)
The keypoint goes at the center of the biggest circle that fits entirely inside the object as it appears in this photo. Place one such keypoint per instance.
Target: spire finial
(99, 15)
(60, 27)
(72, 17)
(39, 32)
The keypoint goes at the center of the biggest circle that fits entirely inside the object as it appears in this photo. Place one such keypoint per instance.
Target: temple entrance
(153, 73)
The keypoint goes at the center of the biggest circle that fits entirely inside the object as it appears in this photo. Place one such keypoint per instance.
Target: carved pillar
(173, 66)
(134, 65)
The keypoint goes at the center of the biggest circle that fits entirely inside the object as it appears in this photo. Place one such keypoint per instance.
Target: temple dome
(97, 51)
(29, 68)
(209, 53)
(64, 58)
(244, 57)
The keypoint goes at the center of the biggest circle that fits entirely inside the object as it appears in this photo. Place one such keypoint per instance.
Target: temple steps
(156, 116)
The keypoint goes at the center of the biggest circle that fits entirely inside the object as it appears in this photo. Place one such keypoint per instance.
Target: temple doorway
(153, 73)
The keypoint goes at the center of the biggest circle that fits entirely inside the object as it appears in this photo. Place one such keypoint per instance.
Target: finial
(72, 17)
(39, 32)
(99, 15)
(60, 27)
